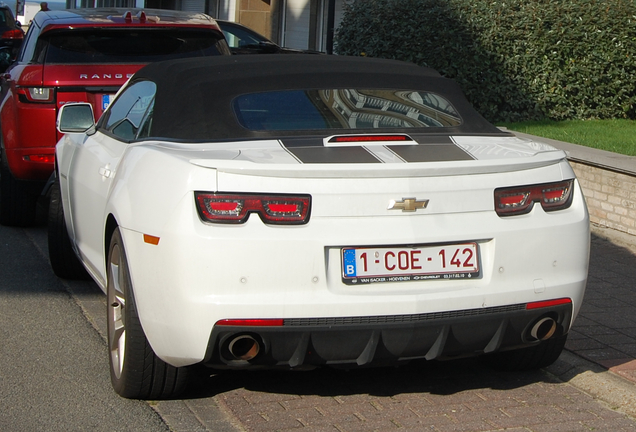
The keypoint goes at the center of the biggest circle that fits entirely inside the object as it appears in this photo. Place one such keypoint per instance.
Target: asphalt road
(53, 363)
(54, 377)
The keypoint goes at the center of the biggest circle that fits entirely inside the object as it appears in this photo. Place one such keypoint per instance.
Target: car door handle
(105, 172)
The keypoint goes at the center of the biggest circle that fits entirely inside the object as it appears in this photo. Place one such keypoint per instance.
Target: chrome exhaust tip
(244, 347)
(543, 329)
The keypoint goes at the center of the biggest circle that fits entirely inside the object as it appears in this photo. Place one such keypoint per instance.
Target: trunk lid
(351, 189)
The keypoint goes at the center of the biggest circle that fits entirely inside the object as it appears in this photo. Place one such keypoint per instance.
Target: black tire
(18, 198)
(135, 371)
(539, 356)
(64, 262)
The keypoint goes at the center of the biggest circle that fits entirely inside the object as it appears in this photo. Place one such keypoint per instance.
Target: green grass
(618, 136)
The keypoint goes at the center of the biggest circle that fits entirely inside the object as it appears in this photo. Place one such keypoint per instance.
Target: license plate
(402, 263)
(106, 100)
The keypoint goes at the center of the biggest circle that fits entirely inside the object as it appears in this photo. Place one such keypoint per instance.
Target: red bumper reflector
(40, 158)
(251, 322)
(547, 303)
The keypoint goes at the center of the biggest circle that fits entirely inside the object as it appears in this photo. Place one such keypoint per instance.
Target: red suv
(79, 55)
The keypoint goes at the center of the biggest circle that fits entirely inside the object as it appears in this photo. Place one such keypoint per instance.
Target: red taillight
(251, 322)
(519, 200)
(548, 303)
(13, 34)
(224, 207)
(235, 208)
(36, 94)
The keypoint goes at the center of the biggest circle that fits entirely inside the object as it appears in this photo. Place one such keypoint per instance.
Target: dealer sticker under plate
(406, 263)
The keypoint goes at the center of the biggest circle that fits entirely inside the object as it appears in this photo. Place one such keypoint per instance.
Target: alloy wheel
(117, 280)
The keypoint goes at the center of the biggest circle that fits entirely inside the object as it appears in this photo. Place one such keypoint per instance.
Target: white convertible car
(298, 211)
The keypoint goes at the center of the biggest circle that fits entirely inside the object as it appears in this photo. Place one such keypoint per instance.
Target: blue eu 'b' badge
(349, 262)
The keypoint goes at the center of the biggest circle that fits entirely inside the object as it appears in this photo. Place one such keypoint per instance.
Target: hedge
(516, 60)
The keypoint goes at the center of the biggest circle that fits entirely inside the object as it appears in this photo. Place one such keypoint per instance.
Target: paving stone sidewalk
(605, 330)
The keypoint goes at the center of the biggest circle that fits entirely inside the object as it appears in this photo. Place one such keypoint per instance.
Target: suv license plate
(405, 263)
(106, 100)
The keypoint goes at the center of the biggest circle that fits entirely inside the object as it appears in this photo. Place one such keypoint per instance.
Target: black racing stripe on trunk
(430, 153)
(303, 142)
(333, 155)
(430, 148)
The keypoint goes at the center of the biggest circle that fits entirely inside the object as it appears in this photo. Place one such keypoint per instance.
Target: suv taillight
(236, 207)
(36, 94)
(519, 200)
(13, 34)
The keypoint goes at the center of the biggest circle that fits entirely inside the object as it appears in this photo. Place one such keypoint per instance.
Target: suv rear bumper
(26, 164)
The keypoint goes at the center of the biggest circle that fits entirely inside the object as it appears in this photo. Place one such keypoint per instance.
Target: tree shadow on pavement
(605, 330)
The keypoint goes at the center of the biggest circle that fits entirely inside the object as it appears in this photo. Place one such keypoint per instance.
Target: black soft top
(194, 96)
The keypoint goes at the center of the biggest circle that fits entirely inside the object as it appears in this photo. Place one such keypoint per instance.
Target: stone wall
(610, 196)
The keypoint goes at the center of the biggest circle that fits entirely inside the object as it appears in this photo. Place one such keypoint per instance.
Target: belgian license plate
(106, 100)
(410, 263)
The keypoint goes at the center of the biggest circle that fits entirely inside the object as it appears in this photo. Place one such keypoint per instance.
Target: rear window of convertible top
(343, 109)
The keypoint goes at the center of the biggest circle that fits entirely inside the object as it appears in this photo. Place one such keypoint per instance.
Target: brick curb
(595, 380)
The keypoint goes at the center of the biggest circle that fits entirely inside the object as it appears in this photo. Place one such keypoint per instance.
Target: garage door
(296, 24)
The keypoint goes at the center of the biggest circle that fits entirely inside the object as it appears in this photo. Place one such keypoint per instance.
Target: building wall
(30, 9)
(255, 14)
(192, 5)
(223, 9)
(610, 196)
(298, 24)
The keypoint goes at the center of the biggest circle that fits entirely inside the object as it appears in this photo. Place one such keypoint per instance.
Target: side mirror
(75, 118)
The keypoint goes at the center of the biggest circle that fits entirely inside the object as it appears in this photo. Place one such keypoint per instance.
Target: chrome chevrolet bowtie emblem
(408, 204)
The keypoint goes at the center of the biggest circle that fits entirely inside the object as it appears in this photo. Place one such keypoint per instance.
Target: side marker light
(151, 239)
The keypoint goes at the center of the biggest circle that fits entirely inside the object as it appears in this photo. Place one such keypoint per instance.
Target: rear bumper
(25, 163)
(381, 340)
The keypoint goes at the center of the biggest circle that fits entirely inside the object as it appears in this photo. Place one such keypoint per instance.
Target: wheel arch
(7, 120)
(109, 228)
